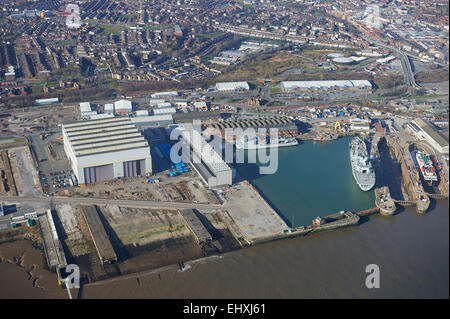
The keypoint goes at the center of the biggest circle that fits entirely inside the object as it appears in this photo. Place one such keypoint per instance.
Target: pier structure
(99, 236)
(368, 212)
(384, 201)
(194, 223)
(54, 252)
(338, 220)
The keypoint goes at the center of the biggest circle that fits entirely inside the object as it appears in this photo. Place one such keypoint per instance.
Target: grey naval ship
(362, 168)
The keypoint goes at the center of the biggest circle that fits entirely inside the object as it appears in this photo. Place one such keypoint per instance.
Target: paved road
(406, 64)
(102, 201)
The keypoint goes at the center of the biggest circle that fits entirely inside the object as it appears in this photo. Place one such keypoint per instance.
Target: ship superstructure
(257, 142)
(426, 166)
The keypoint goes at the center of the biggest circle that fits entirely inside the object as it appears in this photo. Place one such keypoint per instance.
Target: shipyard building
(425, 131)
(206, 161)
(106, 149)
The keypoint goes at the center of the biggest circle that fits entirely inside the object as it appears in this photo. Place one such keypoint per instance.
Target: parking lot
(54, 169)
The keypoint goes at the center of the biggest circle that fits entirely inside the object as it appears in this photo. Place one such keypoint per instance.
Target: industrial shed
(105, 149)
(425, 131)
(232, 86)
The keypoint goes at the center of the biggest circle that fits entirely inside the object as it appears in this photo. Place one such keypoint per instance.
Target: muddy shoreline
(24, 274)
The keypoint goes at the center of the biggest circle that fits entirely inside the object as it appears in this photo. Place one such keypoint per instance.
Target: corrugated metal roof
(167, 110)
(96, 139)
(98, 145)
(100, 129)
(85, 123)
(154, 118)
(432, 132)
(119, 147)
(104, 135)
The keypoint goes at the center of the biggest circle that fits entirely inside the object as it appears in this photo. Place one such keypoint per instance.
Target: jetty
(194, 223)
(334, 221)
(384, 201)
(99, 236)
(54, 252)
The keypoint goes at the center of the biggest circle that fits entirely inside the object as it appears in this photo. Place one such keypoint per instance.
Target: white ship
(362, 168)
(426, 167)
(253, 143)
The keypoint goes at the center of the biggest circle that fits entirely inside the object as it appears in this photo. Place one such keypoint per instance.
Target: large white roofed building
(205, 160)
(122, 106)
(85, 107)
(232, 86)
(162, 95)
(105, 149)
(425, 131)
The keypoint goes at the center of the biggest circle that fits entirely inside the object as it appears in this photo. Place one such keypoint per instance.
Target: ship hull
(263, 146)
(365, 181)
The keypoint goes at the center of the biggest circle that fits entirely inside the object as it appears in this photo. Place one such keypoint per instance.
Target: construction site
(19, 176)
(108, 240)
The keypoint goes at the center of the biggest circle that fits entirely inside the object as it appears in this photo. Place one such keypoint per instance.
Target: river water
(411, 250)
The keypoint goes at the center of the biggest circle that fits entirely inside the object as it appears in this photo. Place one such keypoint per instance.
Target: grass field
(427, 96)
(263, 66)
(111, 28)
(275, 90)
(209, 36)
(64, 42)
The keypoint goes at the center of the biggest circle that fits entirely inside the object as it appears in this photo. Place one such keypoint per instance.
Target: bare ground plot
(27, 180)
(438, 88)
(251, 213)
(184, 188)
(41, 118)
(265, 65)
(142, 239)
(8, 185)
(140, 227)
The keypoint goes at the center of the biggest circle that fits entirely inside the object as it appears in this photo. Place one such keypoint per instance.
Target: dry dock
(99, 236)
(196, 226)
(412, 192)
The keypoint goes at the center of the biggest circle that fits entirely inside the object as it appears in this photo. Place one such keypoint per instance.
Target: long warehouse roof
(254, 122)
(433, 133)
(102, 136)
(232, 85)
(325, 84)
